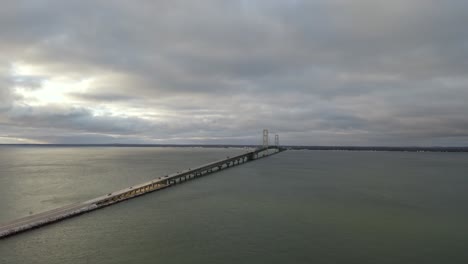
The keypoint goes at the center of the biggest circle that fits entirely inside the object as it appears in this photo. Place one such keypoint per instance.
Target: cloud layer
(322, 72)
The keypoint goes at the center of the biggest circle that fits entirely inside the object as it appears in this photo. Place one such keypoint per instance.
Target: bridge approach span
(52, 216)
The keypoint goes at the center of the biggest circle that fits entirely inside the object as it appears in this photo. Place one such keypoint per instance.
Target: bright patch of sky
(46, 89)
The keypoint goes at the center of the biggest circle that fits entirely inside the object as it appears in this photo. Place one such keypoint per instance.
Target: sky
(317, 72)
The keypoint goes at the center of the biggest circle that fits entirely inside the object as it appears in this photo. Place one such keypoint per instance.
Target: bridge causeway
(52, 216)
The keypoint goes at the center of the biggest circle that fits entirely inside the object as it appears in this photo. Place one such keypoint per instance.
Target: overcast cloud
(318, 72)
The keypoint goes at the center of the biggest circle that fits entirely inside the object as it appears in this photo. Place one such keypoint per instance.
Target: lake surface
(295, 207)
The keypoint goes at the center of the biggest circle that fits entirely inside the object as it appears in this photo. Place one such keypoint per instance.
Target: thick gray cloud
(361, 72)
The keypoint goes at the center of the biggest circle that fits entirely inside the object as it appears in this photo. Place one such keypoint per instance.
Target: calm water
(295, 207)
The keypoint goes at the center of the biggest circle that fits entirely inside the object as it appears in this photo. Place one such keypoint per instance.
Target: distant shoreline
(336, 148)
(365, 148)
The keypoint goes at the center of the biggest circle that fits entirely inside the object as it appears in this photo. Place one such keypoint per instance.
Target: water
(295, 207)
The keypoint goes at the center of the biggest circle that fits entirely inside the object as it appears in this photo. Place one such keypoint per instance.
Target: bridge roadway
(55, 215)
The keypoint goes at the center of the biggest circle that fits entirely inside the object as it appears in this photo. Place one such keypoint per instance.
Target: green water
(295, 207)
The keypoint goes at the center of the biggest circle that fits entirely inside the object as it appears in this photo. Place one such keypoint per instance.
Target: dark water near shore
(295, 207)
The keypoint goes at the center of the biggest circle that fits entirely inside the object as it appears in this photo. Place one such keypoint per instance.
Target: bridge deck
(52, 216)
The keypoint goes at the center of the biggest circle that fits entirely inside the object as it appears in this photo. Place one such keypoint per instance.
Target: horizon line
(223, 145)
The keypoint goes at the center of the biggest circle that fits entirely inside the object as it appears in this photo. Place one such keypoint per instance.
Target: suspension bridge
(53, 216)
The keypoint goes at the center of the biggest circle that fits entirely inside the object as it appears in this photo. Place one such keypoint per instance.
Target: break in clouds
(319, 72)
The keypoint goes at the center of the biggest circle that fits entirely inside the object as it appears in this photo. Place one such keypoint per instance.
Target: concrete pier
(52, 216)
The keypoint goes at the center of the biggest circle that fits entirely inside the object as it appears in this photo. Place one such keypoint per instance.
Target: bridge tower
(265, 138)
(277, 141)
